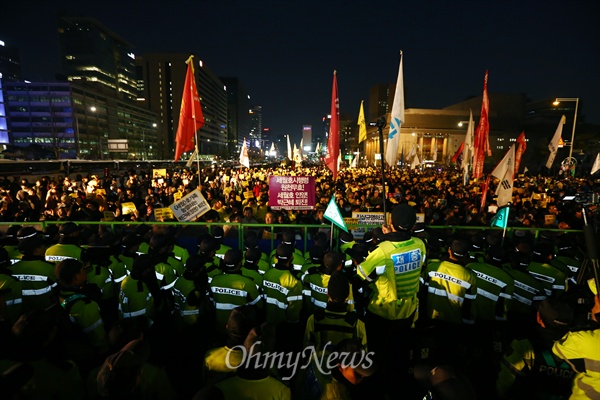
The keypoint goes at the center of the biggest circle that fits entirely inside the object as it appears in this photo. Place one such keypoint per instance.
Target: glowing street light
(576, 100)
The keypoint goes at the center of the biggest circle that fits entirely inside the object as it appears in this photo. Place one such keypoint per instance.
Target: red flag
(458, 152)
(482, 140)
(522, 146)
(190, 114)
(333, 142)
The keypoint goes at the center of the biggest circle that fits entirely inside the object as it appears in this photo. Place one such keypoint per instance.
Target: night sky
(285, 52)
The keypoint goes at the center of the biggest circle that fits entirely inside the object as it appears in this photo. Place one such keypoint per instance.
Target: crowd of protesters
(439, 194)
(163, 311)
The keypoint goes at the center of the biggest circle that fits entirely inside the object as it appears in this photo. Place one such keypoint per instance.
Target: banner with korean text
(190, 207)
(292, 192)
(366, 218)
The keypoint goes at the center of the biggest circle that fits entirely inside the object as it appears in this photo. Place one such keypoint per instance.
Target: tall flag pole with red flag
(333, 142)
(191, 118)
(482, 141)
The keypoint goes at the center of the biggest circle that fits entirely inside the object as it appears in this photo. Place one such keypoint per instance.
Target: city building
(161, 83)
(93, 55)
(257, 133)
(240, 117)
(307, 139)
(60, 120)
(10, 71)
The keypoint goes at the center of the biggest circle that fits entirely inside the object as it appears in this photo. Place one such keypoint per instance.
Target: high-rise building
(258, 135)
(239, 118)
(162, 77)
(307, 138)
(69, 121)
(381, 99)
(10, 66)
(93, 55)
(10, 71)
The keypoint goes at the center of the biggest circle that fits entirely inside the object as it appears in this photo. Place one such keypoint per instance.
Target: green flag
(333, 214)
(501, 218)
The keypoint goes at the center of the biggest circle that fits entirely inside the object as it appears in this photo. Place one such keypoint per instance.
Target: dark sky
(285, 52)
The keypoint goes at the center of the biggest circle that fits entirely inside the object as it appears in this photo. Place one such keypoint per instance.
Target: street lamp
(576, 100)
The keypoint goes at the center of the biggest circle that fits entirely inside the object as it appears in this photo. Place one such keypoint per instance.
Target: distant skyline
(284, 53)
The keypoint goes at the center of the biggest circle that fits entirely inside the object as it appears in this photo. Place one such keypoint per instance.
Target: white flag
(300, 150)
(244, 159)
(396, 119)
(467, 156)
(553, 146)
(295, 153)
(415, 162)
(505, 171)
(289, 149)
(339, 161)
(272, 150)
(192, 158)
(596, 165)
(412, 153)
(526, 170)
(434, 149)
(354, 162)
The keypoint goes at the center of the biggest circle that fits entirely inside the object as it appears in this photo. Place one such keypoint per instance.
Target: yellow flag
(362, 126)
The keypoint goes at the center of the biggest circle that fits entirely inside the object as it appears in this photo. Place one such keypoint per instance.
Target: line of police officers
(505, 321)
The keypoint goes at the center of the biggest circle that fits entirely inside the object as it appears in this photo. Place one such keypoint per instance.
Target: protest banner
(190, 207)
(158, 172)
(160, 214)
(128, 208)
(292, 192)
(366, 218)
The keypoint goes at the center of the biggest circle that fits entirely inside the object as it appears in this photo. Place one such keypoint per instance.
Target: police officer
(451, 288)
(218, 234)
(528, 290)
(581, 351)
(329, 326)
(12, 287)
(252, 264)
(392, 269)
(79, 303)
(316, 280)
(212, 263)
(282, 291)
(494, 288)
(167, 267)
(552, 279)
(231, 289)
(139, 289)
(288, 238)
(449, 292)
(190, 292)
(67, 246)
(529, 370)
(222, 362)
(35, 274)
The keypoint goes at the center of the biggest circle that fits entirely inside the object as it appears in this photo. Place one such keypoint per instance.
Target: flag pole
(197, 152)
(380, 125)
(505, 225)
(331, 237)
